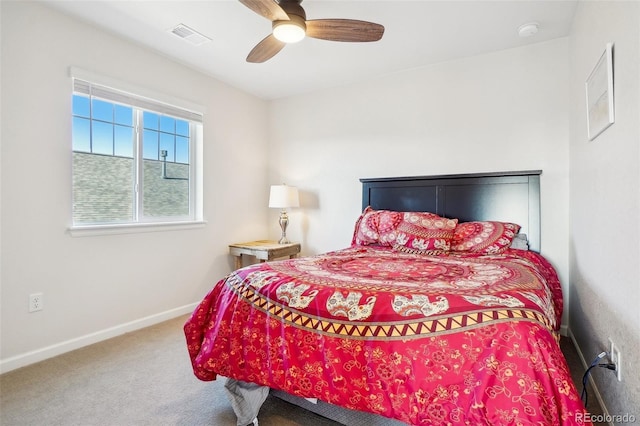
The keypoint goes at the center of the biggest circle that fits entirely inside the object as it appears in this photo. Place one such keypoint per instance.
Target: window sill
(133, 228)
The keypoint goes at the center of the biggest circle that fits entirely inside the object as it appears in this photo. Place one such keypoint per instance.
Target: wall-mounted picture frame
(599, 91)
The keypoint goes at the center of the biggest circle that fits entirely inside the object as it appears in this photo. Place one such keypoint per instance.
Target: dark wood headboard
(503, 196)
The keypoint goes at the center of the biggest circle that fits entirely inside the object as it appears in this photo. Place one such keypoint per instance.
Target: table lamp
(283, 197)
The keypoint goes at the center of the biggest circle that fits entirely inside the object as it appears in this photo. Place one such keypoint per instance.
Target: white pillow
(520, 242)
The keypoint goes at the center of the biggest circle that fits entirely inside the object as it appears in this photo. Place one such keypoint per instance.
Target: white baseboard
(38, 355)
(585, 365)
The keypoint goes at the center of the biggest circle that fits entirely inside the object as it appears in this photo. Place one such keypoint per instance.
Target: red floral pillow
(376, 227)
(416, 232)
(424, 233)
(355, 239)
(484, 237)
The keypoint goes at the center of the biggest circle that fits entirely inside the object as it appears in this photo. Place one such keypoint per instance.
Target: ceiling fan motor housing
(293, 7)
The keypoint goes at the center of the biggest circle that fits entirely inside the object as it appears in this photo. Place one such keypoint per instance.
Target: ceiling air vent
(189, 34)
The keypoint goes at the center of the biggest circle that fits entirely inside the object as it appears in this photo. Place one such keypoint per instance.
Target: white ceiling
(417, 33)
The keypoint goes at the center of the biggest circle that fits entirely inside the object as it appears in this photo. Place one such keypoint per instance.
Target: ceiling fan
(289, 23)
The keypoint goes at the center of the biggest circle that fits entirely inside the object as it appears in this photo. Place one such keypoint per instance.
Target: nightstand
(263, 250)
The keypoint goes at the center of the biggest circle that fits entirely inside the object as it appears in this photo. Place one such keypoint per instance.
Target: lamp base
(284, 221)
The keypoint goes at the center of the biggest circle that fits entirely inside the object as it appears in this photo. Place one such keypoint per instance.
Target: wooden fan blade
(265, 50)
(344, 30)
(267, 8)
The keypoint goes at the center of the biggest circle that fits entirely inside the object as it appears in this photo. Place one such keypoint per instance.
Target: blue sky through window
(107, 128)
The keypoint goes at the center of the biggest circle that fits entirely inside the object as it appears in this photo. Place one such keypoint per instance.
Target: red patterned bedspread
(428, 340)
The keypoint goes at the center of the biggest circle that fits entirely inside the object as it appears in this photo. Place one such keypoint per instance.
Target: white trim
(144, 92)
(585, 365)
(133, 228)
(197, 161)
(38, 355)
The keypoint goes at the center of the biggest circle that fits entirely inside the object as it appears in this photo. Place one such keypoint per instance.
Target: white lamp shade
(283, 196)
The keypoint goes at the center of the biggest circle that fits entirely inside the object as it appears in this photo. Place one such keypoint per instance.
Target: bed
(431, 316)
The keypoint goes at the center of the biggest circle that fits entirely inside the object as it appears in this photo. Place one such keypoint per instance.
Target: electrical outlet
(36, 302)
(615, 358)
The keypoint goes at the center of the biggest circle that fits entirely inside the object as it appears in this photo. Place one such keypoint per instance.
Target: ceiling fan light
(289, 31)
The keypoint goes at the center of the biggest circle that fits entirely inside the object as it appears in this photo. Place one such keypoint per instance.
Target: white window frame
(139, 97)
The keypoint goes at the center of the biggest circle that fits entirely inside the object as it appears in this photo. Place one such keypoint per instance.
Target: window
(133, 159)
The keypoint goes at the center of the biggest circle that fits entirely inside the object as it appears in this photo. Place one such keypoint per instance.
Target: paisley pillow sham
(487, 237)
(376, 227)
(424, 233)
(418, 232)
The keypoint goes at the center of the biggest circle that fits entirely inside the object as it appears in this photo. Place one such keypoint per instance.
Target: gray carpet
(140, 378)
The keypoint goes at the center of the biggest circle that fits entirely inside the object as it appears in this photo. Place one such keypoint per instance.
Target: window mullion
(138, 184)
(90, 123)
(193, 129)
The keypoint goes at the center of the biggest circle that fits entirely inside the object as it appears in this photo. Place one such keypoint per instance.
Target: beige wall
(605, 202)
(98, 286)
